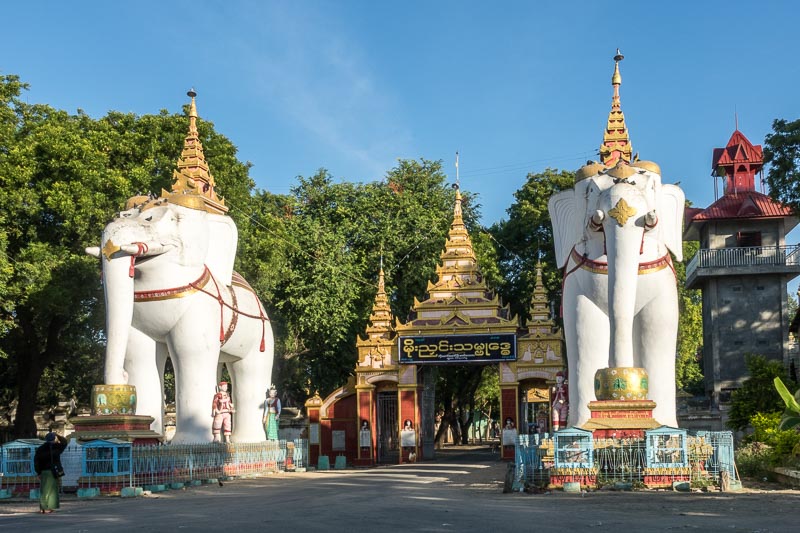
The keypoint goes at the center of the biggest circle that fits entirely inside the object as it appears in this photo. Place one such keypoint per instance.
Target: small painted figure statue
(272, 410)
(541, 420)
(560, 396)
(222, 410)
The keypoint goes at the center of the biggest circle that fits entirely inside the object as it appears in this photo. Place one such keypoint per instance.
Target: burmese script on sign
(458, 348)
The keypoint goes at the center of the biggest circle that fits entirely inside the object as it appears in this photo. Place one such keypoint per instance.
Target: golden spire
(380, 320)
(616, 145)
(193, 176)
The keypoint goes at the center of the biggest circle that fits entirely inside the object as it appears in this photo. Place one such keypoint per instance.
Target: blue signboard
(438, 349)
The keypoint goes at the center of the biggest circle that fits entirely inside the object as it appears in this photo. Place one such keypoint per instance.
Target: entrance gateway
(385, 413)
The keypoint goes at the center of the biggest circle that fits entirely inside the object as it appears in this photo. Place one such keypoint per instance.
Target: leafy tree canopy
(782, 152)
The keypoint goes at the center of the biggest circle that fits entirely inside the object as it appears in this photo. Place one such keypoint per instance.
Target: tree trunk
(29, 374)
(30, 368)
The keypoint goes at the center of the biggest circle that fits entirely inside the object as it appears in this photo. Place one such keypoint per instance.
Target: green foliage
(791, 416)
(527, 237)
(782, 153)
(766, 429)
(757, 394)
(688, 374)
(754, 459)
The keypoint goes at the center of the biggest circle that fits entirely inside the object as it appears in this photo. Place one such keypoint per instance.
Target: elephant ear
(223, 239)
(566, 227)
(671, 202)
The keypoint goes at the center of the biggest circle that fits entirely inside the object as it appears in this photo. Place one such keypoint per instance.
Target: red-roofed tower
(743, 267)
(738, 163)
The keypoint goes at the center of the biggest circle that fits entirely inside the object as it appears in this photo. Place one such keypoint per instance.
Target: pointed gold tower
(192, 176)
(541, 348)
(458, 300)
(616, 145)
(375, 351)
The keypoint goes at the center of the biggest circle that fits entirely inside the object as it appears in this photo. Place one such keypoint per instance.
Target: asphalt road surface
(460, 491)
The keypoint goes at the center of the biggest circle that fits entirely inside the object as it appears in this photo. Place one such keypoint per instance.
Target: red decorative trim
(176, 292)
(600, 267)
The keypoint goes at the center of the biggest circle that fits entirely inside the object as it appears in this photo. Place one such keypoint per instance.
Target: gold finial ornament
(616, 78)
(616, 143)
(621, 212)
(193, 185)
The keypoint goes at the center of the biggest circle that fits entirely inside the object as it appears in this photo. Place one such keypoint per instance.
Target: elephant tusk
(141, 249)
(650, 219)
(94, 251)
(597, 219)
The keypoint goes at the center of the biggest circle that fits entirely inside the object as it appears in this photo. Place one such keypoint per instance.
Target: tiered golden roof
(541, 347)
(459, 298)
(540, 306)
(616, 143)
(375, 351)
(192, 176)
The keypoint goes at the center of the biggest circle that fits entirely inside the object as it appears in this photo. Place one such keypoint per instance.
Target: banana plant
(791, 417)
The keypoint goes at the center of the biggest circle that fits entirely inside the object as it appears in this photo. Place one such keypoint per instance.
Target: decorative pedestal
(114, 417)
(622, 409)
(621, 419)
(132, 428)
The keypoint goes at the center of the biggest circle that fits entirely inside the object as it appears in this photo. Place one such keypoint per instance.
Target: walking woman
(47, 463)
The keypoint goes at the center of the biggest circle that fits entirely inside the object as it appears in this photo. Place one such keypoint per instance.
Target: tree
(527, 237)
(782, 153)
(338, 233)
(688, 374)
(757, 394)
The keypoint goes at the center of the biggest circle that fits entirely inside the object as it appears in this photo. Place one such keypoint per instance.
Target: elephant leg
(656, 335)
(194, 357)
(587, 331)
(251, 380)
(143, 372)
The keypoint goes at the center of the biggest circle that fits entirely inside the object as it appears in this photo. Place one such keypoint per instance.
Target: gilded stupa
(375, 351)
(459, 298)
(616, 145)
(192, 177)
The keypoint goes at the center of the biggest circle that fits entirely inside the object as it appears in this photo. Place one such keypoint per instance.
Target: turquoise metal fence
(664, 455)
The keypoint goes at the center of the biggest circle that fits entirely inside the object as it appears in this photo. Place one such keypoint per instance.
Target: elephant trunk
(118, 285)
(623, 247)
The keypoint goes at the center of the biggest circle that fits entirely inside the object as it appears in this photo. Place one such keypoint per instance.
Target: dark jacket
(48, 454)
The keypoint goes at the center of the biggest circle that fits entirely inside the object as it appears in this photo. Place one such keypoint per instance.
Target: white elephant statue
(613, 233)
(170, 290)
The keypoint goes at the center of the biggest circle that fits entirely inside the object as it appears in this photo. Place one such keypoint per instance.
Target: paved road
(458, 492)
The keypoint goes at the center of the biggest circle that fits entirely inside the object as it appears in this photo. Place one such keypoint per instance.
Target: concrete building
(743, 267)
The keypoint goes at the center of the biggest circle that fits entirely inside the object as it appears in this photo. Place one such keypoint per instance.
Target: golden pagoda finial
(192, 112)
(616, 145)
(616, 78)
(192, 177)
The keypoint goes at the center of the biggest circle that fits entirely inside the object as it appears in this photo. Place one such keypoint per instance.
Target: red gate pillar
(366, 425)
(313, 406)
(509, 409)
(409, 415)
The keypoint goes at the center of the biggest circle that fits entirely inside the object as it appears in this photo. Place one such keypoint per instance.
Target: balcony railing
(779, 256)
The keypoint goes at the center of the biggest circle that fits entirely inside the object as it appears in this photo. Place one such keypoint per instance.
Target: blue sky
(354, 85)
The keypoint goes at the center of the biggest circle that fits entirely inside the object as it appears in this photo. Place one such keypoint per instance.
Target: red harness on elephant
(199, 285)
(599, 267)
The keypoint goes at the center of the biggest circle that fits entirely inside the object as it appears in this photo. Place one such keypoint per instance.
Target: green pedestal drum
(620, 383)
(113, 400)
